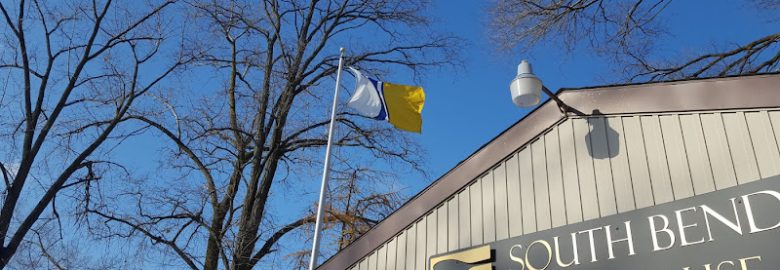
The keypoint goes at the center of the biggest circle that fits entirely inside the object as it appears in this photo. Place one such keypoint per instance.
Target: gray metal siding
(555, 178)
(452, 224)
(696, 149)
(741, 149)
(585, 168)
(441, 229)
(656, 159)
(488, 209)
(392, 248)
(571, 182)
(515, 208)
(588, 195)
(464, 219)
(605, 190)
(419, 257)
(621, 172)
(718, 150)
(527, 191)
(411, 236)
(501, 202)
(400, 255)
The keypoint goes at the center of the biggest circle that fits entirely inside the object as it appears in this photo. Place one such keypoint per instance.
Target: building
(686, 169)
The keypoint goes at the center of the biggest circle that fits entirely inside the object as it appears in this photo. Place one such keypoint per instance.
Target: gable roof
(741, 92)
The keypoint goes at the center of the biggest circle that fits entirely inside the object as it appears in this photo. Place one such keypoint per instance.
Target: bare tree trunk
(120, 39)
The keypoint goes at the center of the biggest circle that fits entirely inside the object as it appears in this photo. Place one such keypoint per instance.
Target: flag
(401, 105)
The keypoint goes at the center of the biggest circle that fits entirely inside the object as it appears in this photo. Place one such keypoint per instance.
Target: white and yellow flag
(400, 104)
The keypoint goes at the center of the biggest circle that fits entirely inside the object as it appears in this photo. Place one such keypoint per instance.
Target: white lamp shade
(526, 91)
(526, 88)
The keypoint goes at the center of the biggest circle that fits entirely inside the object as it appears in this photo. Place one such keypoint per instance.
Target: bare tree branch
(626, 33)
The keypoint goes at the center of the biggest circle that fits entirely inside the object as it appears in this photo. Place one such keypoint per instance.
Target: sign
(730, 229)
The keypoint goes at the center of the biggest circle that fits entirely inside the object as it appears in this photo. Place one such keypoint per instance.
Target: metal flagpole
(326, 170)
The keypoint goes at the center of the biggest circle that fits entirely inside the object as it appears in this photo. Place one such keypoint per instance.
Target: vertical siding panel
(718, 150)
(391, 253)
(419, 257)
(588, 194)
(676, 157)
(637, 160)
(571, 183)
(527, 190)
(441, 230)
(452, 223)
(696, 149)
(372, 261)
(515, 211)
(431, 236)
(741, 147)
(541, 187)
(363, 264)
(488, 209)
(400, 256)
(764, 143)
(475, 191)
(502, 219)
(600, 153)
(411, 247)
(381, 258)
(621, 173)
(656, 160)
(464, 218)
(555, 178)
(774, 117)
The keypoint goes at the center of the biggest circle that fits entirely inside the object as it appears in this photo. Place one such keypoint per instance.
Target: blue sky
(465, 109)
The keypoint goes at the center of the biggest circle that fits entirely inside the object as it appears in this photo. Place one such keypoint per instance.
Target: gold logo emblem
(471, 256)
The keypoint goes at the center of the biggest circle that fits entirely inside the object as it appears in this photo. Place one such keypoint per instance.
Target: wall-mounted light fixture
(526, 90)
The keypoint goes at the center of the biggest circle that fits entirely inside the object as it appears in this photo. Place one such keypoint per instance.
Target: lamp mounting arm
(563, 107)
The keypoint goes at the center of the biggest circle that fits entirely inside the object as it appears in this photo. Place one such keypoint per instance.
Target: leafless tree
(357, 204)
(45, 248)
(627, 31)
(73, 71)
(254, 128)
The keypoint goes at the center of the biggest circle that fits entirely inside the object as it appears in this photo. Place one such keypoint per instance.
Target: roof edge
(676, 81)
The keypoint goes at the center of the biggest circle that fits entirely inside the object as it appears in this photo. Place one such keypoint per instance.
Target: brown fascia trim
(745, 92)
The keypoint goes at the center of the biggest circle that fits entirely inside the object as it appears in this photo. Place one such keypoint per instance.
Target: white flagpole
(326, 171)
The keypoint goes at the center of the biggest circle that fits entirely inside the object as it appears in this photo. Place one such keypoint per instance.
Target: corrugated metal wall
(586, 168)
